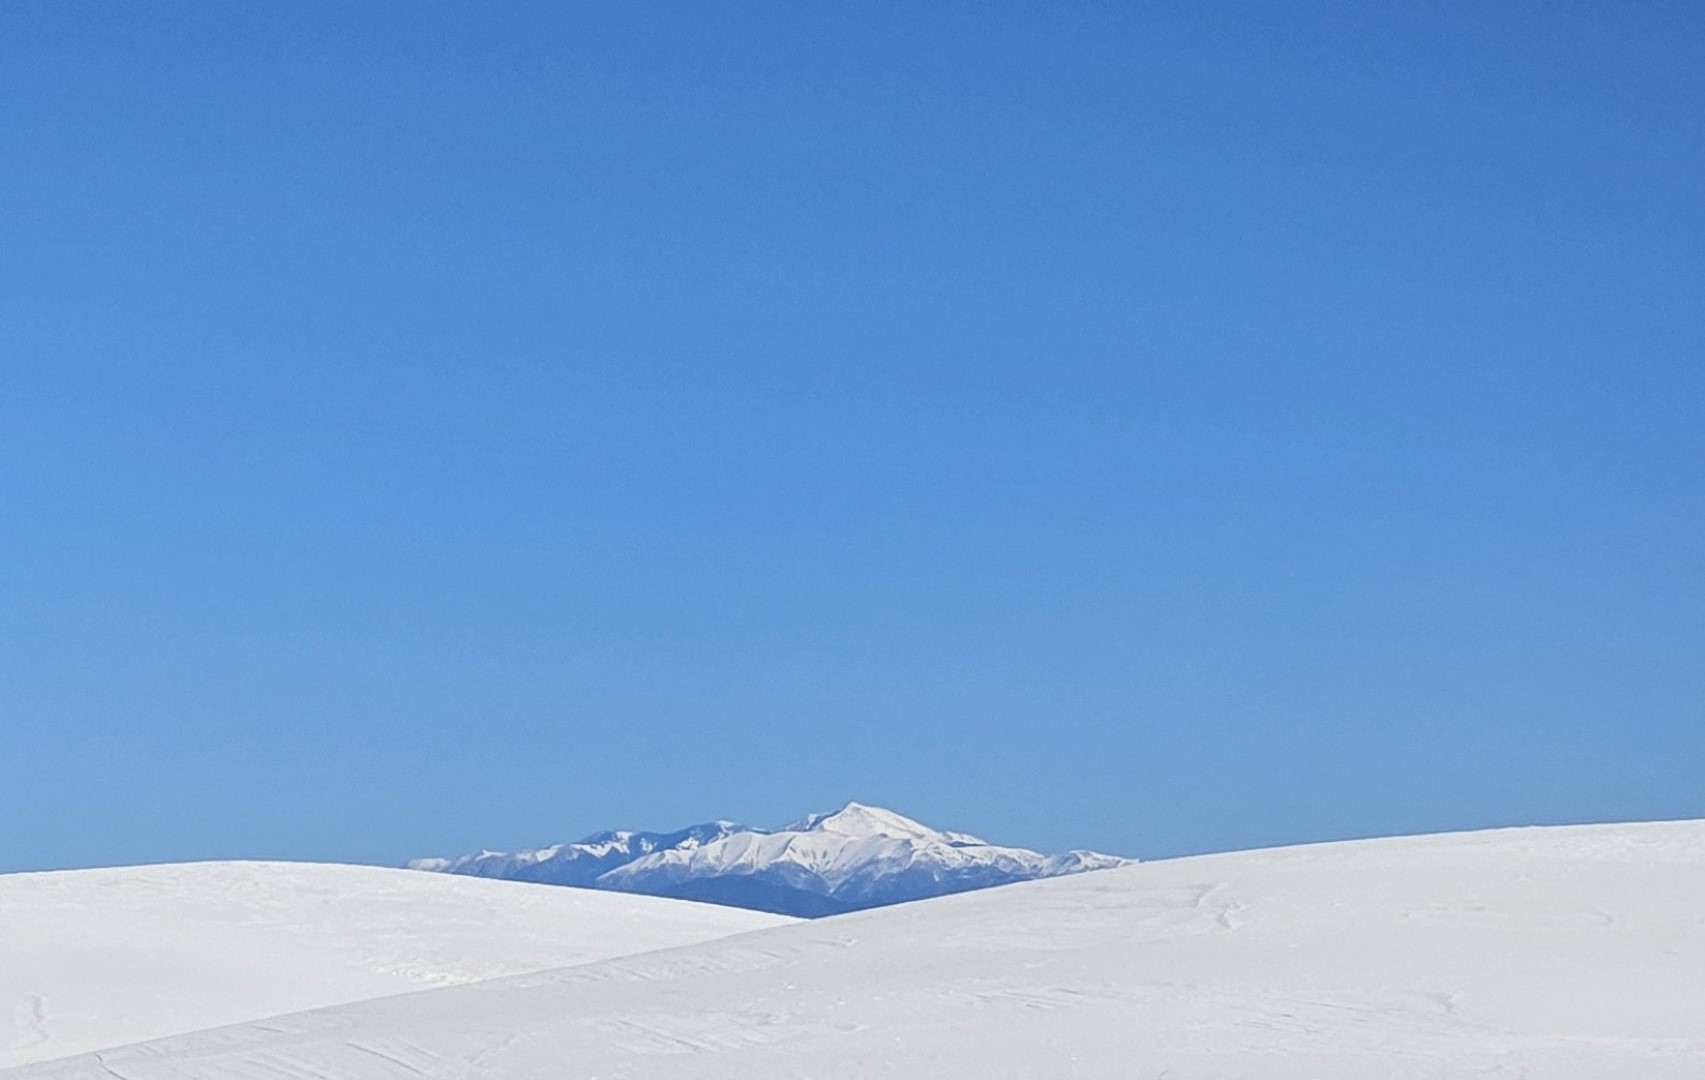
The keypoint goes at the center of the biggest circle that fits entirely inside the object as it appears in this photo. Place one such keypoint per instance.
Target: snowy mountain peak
(858, 821)
(856, 857)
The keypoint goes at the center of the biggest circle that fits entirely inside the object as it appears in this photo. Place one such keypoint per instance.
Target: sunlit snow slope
(1561, 954)
(97, 958)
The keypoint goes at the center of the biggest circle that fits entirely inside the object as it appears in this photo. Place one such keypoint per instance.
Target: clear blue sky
(1146, 427)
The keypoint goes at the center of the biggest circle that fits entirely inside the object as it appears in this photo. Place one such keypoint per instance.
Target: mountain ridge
(853, 858)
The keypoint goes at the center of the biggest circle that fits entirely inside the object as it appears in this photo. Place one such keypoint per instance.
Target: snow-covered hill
(1562, 953)
(858, 857)
(97, 958)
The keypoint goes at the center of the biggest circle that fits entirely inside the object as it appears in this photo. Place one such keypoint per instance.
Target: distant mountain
(857, 857)
(581, 863)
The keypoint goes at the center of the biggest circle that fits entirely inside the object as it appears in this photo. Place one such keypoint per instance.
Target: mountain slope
(857, 857)
(97, 958)
(1564, 953)
(580, 863)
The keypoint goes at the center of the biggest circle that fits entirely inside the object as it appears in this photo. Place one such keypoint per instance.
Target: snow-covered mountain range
(857, 857)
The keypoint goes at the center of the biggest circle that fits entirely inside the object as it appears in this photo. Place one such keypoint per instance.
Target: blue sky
(1143, 427)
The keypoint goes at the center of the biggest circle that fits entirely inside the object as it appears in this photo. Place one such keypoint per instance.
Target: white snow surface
(96, 958)
(1548, 954)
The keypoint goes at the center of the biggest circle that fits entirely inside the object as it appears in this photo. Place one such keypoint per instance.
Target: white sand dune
(1549, 954)
(91, 959)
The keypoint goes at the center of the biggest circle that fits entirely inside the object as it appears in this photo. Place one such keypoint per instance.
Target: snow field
(1562, 954)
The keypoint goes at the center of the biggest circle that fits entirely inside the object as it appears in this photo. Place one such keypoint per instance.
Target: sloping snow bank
(1566, 953)
(97, 958)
